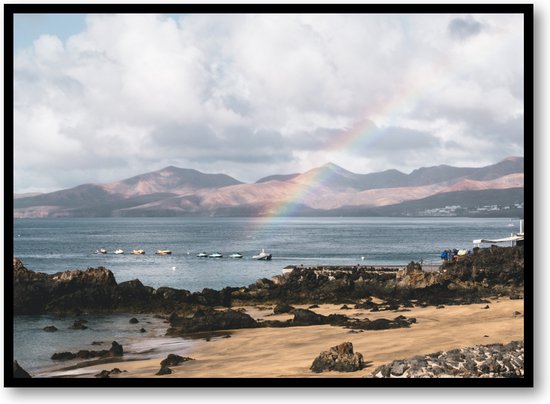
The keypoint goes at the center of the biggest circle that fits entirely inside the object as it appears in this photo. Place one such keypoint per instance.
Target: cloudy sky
(99, 98)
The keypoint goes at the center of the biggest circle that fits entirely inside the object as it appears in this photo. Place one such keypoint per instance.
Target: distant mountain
(170, 179)
(334, 177)
(328, 189)
(26, 195)
(483, 203)
(282, 177)
(430, 175)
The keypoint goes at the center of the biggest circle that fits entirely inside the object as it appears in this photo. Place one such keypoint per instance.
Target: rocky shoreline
(494, 360)
(489, 272)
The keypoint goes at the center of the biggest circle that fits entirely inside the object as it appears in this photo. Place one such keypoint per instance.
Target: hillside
(325, 190)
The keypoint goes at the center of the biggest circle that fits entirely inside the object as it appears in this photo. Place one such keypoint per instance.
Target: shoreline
(289, 352)
(386, 314)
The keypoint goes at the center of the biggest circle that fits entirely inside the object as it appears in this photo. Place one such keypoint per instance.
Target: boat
(119, 251)
(138, 252)
(163, 252)
(202, 255)
(515, 239)
(235, 255)
(215, 255)
(101, 251)
(262, 256)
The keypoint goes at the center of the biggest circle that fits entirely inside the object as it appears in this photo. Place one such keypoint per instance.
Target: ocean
(55, 245)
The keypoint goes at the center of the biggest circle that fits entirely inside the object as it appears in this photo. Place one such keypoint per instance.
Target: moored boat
(163, 252)
(215, 255)
(138, 252)
(202, 255)
(235, 255)
(101, 251)
(262, 256)
(119, 251)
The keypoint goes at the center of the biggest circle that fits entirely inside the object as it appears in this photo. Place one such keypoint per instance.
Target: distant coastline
(329, 190)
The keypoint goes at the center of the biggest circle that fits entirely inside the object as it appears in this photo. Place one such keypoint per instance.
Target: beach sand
(289, 352)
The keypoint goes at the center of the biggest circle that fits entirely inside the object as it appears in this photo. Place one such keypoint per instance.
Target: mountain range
(326, 190)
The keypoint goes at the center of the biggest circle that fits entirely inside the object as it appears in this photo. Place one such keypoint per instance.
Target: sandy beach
(289, 352)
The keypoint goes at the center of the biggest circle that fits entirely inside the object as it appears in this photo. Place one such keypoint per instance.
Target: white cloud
(253, 95)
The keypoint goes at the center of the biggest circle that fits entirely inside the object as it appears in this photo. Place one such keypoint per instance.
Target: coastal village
(458, 210)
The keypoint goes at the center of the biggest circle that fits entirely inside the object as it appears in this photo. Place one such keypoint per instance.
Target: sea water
(55, 245)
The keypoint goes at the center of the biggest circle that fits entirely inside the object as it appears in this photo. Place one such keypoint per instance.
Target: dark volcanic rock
(63, 356)
(174, 360)
(340, 358)
(19, 372)
(92, 290)
(78, 325)
(50, 328)
(104, 374)
(164, 371)
(36, 293)
(116, 350)
(489, 272)
(135, 295)
(303, 317)
(282, 308)
(308, 317)
(382, 323)
(210, 320)
(134, 320)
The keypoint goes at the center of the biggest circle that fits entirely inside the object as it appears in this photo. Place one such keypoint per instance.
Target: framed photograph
(268, 195)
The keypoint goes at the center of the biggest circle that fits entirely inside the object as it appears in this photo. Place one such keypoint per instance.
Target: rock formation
(171, 360)
(115, 351)
(488, 272)
(495, 360)
(340, 358)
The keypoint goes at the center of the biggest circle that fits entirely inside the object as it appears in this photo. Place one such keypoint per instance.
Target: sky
(99, 98)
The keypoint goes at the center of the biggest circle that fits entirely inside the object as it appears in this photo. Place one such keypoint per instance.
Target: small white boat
(101, 251)
(119, 251)
(202, 255)
(262, 256)
(138, 252)
(215, 255)
(163, 252)
(235, 255)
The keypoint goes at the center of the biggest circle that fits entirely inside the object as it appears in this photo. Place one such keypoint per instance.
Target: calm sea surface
(54, 245)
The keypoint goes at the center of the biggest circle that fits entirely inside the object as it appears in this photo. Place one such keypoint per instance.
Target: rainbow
(358, 136)
(365, 131)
